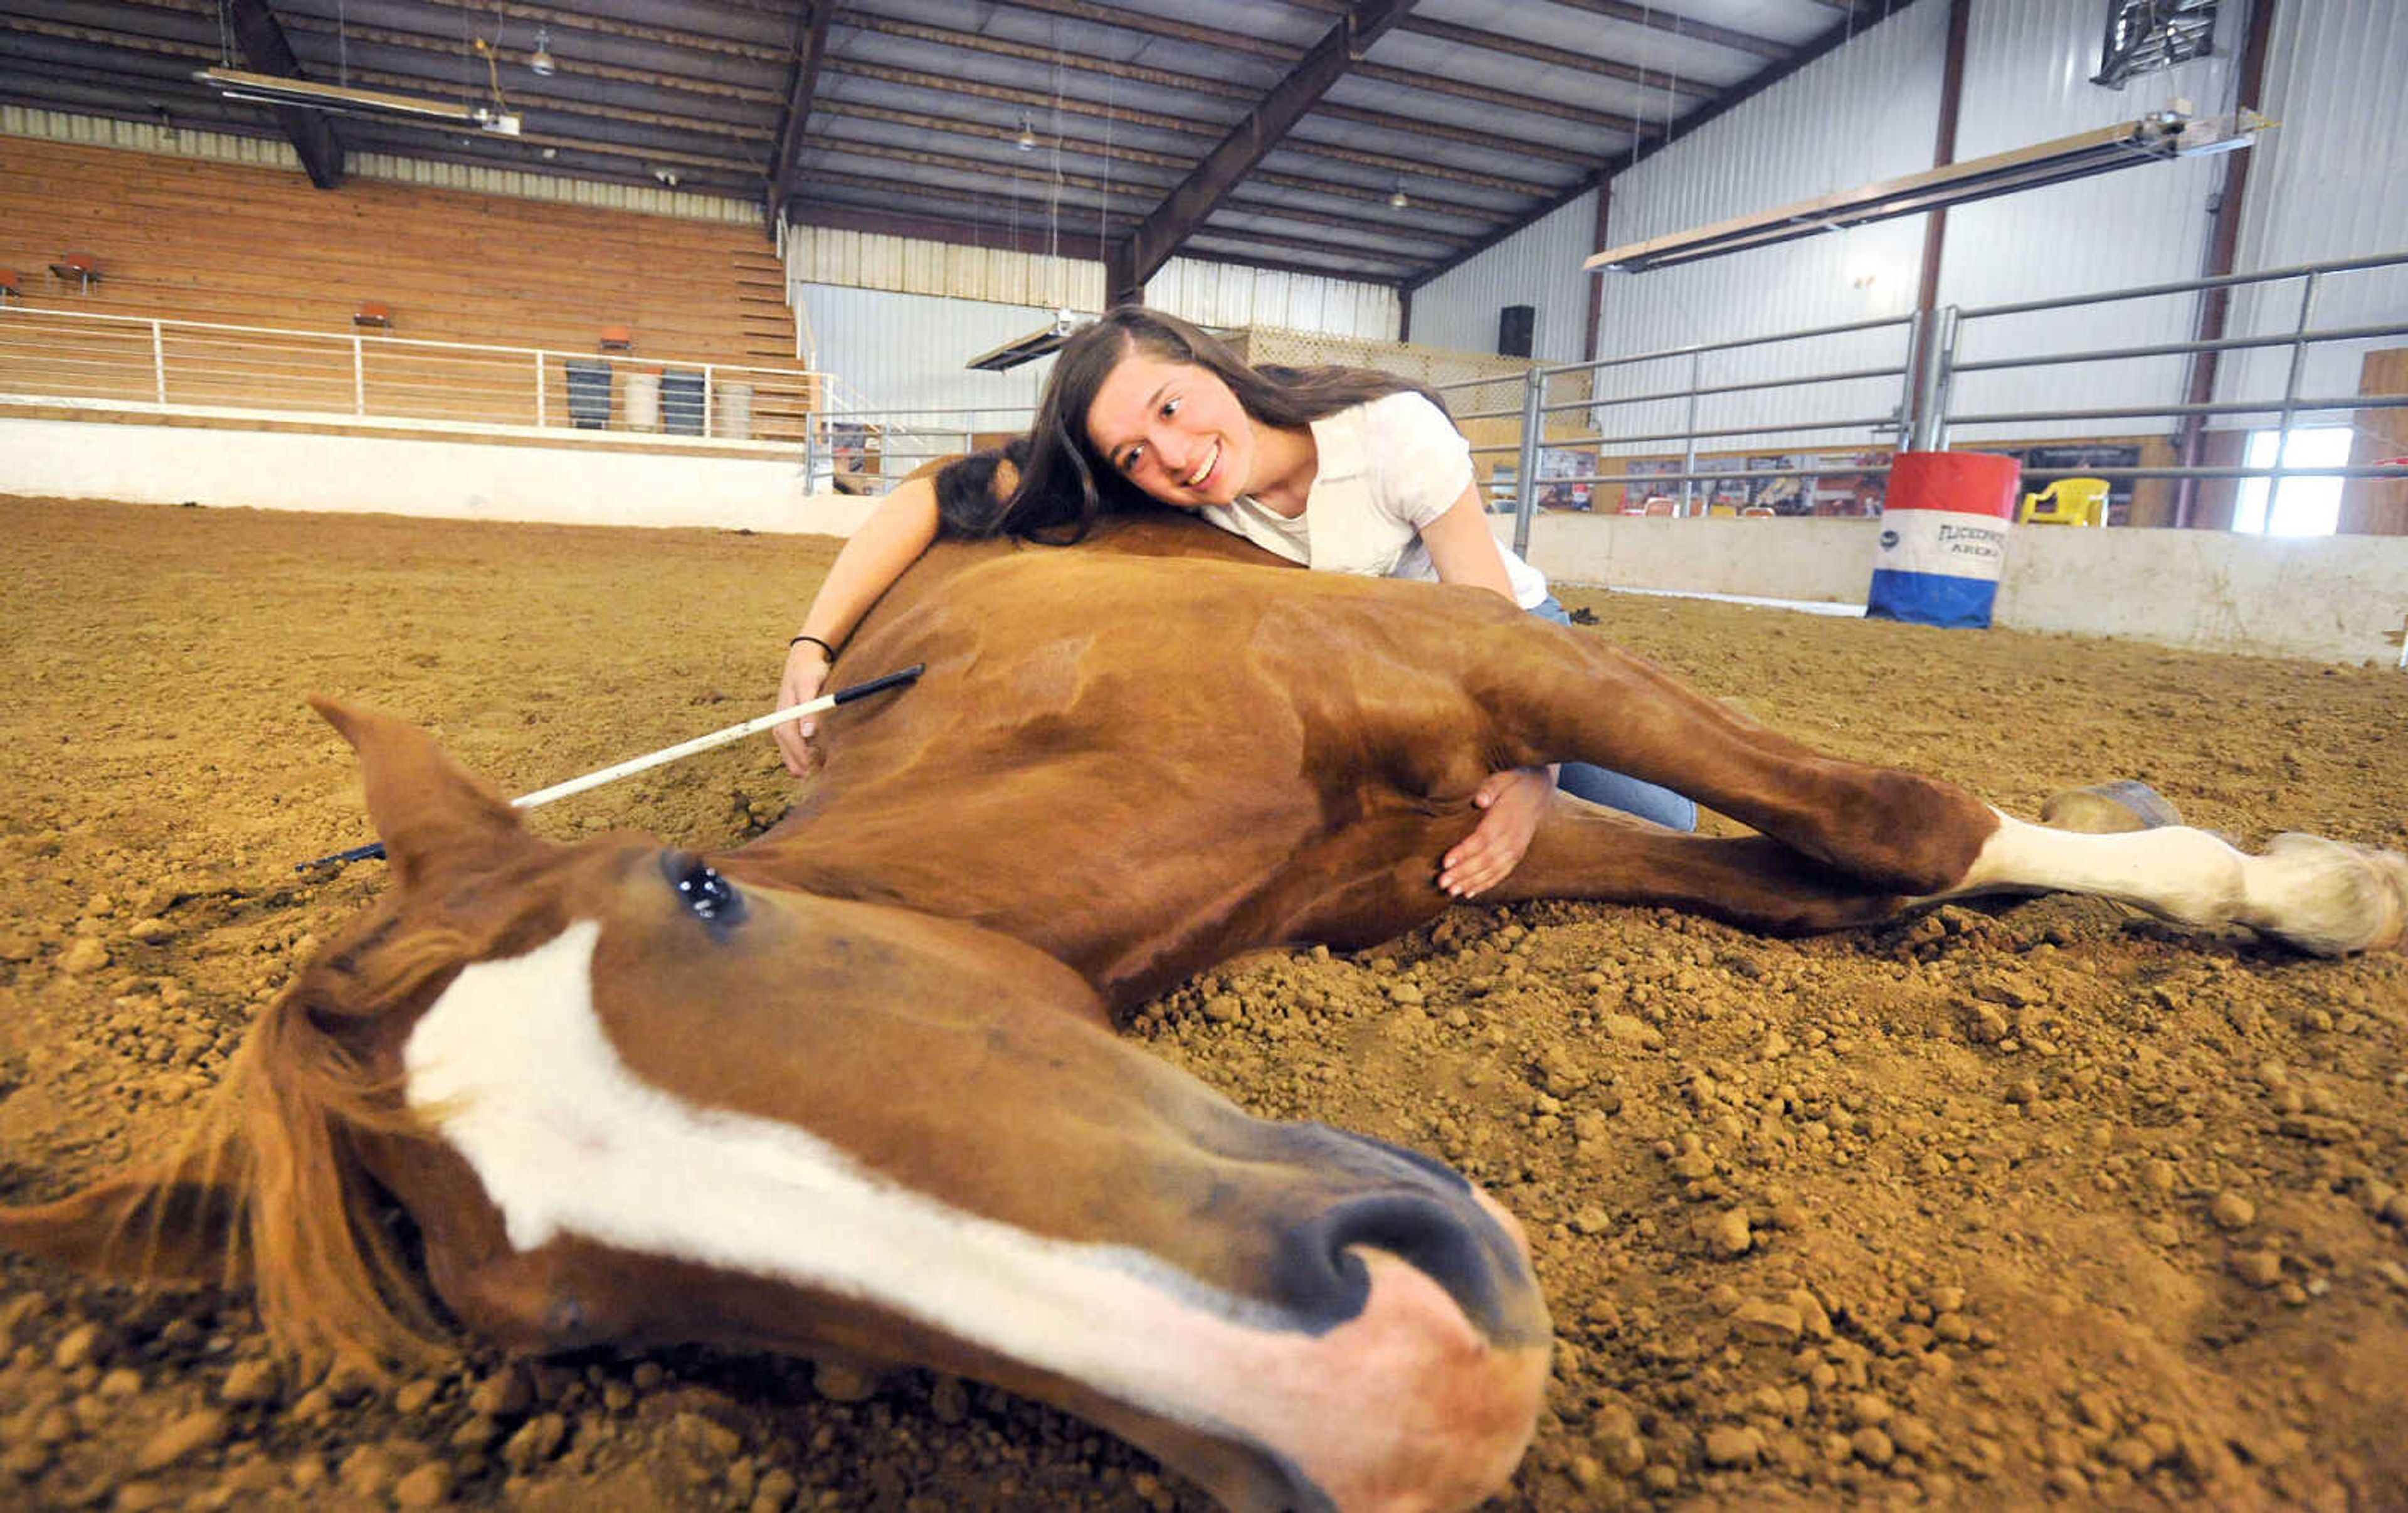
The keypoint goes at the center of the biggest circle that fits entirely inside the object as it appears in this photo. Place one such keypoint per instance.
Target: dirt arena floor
(2042, 1204)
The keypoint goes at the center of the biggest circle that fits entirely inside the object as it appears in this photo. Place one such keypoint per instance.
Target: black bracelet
(814, 640)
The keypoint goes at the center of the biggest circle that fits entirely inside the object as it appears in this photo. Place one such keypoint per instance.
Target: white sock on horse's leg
(2323, 897)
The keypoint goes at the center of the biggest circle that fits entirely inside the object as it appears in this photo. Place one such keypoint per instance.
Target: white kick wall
(2322, 184)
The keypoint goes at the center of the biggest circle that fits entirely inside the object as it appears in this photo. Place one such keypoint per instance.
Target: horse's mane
(268, 1187)
(329, 1274)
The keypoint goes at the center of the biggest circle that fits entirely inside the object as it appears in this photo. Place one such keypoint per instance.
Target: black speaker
(1516, 326)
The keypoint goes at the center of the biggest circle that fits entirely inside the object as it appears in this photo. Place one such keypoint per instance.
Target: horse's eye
(712, 898)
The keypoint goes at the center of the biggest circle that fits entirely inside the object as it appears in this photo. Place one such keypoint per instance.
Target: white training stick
(667, 754)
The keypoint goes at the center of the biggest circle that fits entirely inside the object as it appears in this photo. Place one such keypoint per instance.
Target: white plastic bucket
(731, 416)
(643, 401)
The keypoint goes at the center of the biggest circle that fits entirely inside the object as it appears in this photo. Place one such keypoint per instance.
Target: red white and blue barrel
(1944, 521)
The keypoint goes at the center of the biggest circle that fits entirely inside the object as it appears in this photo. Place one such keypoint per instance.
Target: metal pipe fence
(1596, 408)
(1935, 352)
(197, 367)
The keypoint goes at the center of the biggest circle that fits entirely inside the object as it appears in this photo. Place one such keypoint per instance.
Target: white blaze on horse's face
(514, 1067)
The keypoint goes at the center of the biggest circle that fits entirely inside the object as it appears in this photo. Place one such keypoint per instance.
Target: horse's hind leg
(1895, 832)
(1899, 834)
(1581, 852)
(2325, 898)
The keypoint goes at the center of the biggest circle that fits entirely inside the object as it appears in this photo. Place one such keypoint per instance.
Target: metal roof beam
(264, 44)
(1461, 89)
(995, 47)
(1135, 20)
(1661, 20)
(1472, 37)
(446, 48)
(1151, 245)
(802, 86)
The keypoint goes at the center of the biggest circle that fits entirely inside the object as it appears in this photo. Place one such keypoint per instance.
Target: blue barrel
(682, 403)
(589, 392)
(1945, 522)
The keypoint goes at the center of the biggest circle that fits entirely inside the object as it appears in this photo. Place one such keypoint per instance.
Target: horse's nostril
(1457, 1245)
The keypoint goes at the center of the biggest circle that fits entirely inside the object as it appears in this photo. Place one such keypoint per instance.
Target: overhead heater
(1037, 343)
(276, 88)
(2155, 137)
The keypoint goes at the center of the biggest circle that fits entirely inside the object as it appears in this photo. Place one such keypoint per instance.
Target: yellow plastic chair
(2069, 501)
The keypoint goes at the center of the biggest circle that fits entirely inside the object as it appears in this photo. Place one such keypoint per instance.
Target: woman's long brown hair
(1065, 485)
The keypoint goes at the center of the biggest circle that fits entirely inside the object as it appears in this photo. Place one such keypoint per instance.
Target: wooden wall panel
(2376, 506)
(199, 240)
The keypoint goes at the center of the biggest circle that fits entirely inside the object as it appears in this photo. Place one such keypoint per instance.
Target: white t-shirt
(1386, 469)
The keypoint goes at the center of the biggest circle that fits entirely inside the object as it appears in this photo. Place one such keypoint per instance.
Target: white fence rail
(198, 366)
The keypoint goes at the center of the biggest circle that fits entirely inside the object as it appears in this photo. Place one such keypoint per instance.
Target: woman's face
(1173, 429)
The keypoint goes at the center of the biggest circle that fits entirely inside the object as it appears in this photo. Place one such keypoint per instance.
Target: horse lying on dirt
(1148, 755)
(820, 1094)
(625, 1100)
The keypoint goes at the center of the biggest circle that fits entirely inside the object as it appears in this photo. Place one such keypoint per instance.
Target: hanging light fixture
(539, 61)
(1398, 198)
(1026, 141)
(2159, 136)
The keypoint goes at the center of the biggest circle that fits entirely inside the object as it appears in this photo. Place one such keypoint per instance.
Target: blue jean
(1616, 790)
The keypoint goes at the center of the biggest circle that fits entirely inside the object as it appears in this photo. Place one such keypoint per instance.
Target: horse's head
(630, 1097)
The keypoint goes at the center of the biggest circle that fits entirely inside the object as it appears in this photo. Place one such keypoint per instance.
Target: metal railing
(1932, 358)
(198, 366)
(875, 446)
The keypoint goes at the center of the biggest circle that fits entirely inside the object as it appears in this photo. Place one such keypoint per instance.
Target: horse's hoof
(2338, 898)
(2109, 809)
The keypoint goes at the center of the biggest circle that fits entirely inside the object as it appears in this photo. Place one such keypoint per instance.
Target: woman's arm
(1461, 548)
(890, 540)
(1463, 551)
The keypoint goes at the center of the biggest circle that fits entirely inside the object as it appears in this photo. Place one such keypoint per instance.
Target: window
(2303, 506)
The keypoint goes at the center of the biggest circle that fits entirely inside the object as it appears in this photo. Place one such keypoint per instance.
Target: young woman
(1341, 470)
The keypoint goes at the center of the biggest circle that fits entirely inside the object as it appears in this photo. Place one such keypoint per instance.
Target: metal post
(539, 391)
(158, 363)
(359, 377)
(1908, 417)
(1931, 433)
(1526, 507)
(1690, 442)
(2291, 390)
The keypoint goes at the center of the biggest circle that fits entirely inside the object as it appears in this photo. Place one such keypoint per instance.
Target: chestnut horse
(847, 1088)
(1150, 753)
(627, 1100)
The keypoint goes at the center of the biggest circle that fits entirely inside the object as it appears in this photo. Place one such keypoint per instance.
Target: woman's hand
(807, 671)
(1514, 800)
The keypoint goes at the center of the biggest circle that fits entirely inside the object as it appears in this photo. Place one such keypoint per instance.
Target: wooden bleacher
(193, 239)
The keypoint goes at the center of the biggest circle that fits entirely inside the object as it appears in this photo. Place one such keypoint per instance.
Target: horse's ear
(428, 808)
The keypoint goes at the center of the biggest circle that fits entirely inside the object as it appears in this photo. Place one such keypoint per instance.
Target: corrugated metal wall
(1540, 267)
(894, 318)
(2323, 185)
(898, 350)
(2027, 67)
(2326, 183)
(1865, 111)
(1209, 294)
